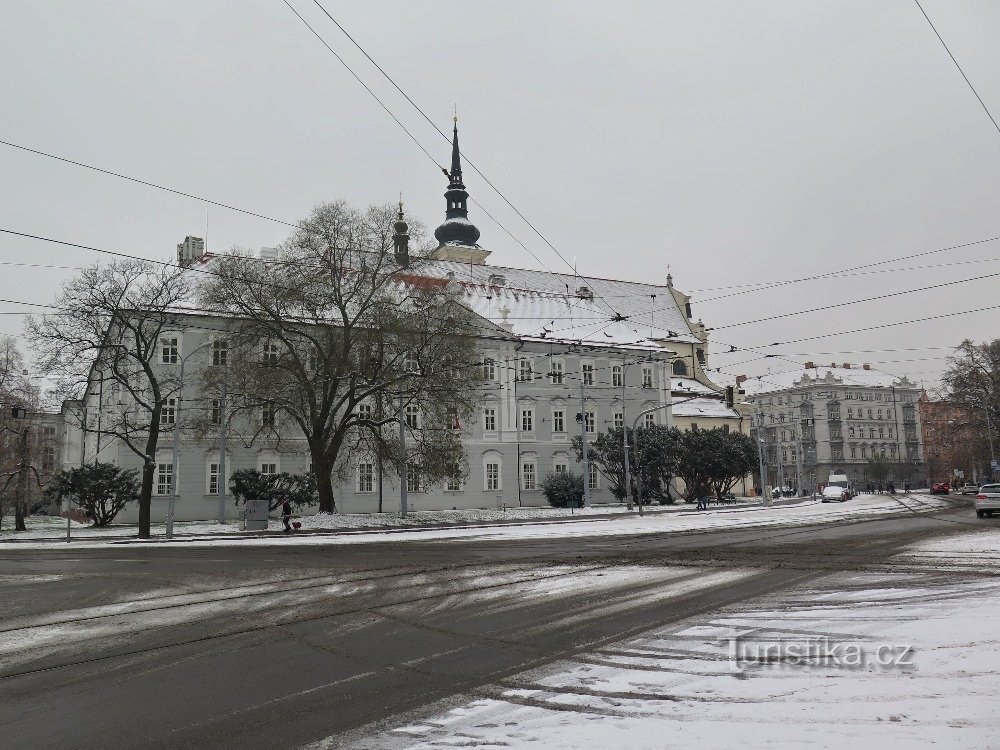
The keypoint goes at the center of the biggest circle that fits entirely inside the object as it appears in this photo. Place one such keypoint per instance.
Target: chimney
(190, 250)
(847, 365)
(810, 365)
(866, 366)
(741, 379)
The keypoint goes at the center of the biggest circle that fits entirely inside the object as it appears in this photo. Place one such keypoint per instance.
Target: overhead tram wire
(844, 271)
(443, 135)
(959, 67)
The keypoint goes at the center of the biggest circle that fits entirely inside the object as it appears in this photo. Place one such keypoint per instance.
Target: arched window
(680, 368)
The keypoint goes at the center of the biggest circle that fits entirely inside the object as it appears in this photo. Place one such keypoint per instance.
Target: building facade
(822, 420)
(562, 355)
(954, 443)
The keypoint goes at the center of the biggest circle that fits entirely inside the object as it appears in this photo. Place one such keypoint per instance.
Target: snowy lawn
(550, 523)
(850, 661)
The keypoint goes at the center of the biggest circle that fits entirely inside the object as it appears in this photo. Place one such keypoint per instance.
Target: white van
(837, 489)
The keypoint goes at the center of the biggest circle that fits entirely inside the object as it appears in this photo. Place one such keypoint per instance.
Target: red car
(940, 488)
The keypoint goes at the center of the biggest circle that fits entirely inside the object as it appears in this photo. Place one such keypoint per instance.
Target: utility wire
(952, 56)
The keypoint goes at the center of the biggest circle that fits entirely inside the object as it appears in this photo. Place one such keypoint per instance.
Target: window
(700, 353)
(164, 478)
(649, 421)
(216, 412)
(312, 358)
(528, 476)
(617, 379)
(489, 368)
(589, 422)
(647, 376)
(365, 411)
(366, 477)
(680, 368)
(525, 372)
(881, 432)
(889, 433)
(411, 363)
(854, 451)
(871, 432)
(784, 455)
(491, 476)
(870, 414)
(527, 420)
(453, 484)
(169, 351)
(559, 421)
(168, 412)
(220, 353)
(850, 432)
(879, 413)
(412, 478)
(213, 479)
(587, 372)
(556, 370)
(411, 416)
(850, 413)
(560, 467)
(268, 414)
(490, 419)
(48, 458)
(593, 476)
(892, 450)
(618, 420)
(268, 468)
(271, 353)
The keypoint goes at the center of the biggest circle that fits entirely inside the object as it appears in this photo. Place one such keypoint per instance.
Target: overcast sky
(733, 142)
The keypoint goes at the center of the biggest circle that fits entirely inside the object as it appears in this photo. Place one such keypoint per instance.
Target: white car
(988, 500)
(834, 494)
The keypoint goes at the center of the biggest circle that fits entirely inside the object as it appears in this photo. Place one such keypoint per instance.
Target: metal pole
(222, 449)
(402, 458)
(765, 497)
(798, 459)
(628, 477)
(173, 468)
(583, 436)
(989, 433)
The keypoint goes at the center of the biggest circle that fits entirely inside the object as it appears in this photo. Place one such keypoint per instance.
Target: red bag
(296, 525)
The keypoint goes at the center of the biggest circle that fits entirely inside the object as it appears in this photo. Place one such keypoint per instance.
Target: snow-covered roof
(844, 377)
(703, 407)
(548, 306)
(544, 306)
(683, 386)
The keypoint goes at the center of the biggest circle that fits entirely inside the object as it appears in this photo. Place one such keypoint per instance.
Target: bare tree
(339, 334)
(107, 337)
(973, 379)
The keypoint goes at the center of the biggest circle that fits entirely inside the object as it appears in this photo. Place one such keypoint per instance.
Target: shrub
(250, 484)
(101, 490)
(562, 488)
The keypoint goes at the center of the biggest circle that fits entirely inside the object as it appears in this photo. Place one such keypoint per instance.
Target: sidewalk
(188, 531)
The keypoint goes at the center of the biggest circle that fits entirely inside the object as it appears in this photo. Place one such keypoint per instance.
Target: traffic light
(18, 413)
(730, 396)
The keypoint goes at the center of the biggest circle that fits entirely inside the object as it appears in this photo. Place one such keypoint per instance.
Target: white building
(558, 346)
(819, 420)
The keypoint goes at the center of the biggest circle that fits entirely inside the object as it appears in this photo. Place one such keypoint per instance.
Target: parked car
(835, 494)
(988, 500)
(970, 489)
(940, 488)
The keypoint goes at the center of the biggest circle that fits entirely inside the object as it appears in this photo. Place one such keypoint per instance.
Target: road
(247, 647)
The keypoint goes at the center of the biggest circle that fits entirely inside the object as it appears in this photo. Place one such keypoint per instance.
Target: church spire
(457, 229)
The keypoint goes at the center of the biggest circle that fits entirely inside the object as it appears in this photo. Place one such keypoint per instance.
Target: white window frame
(492, 483)
(269, 466)
(272, 353)
(617, 376)
(489, 415)
(411, 416)
(557, 371)
(454, 484)
(164, 478)
(587, 373)
(618, 420)
(489, 367)
(648, 377)
(594, 480)
(170, 349)
(649, 420)
(529, 475)
(168, 413)
(560, 465)
(366, 481)
(269, 415)
(527, 419)
(414, 481)
(559, 421)
(590, 422)
(220, 353)
(525, 370)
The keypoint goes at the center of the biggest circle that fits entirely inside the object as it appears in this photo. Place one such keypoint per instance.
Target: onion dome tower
(458, 238)
(401, 239)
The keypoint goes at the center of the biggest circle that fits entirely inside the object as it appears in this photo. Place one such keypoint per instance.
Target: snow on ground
(677, 519)
(880, 662)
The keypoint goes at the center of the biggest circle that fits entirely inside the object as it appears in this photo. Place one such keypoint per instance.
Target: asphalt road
(246, 647)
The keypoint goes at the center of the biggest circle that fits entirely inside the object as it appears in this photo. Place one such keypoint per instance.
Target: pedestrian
(286, 515)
